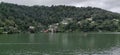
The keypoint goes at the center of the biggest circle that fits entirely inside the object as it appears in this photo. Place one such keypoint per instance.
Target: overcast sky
(111, 5)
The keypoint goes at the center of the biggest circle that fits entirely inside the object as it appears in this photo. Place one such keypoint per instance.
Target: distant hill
(19, 17)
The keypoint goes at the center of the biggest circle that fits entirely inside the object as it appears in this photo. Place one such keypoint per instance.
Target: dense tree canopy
(20, 17)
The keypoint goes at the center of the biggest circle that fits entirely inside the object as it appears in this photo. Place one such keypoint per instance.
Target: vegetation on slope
(18, 18)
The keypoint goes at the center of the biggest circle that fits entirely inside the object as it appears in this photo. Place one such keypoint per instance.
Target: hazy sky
(111, 5)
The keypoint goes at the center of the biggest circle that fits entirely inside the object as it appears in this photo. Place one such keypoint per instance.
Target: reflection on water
(60, 44)
(31, 38)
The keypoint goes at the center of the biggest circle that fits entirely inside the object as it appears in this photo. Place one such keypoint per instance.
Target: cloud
(43, 2)
(111, 5)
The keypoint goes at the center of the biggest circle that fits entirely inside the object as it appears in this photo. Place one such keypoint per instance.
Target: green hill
(18, 18)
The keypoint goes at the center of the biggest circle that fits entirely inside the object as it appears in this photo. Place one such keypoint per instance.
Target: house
(66, 21)
(53, 27)
(31, 29)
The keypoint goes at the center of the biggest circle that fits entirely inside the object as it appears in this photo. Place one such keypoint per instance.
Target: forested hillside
(18, 18)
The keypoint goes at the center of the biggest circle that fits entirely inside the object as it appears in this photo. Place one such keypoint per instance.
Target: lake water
(60, 44)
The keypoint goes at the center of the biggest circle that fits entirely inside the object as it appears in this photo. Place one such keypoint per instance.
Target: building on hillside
(53, 28)
(66, 21)
(31, 29)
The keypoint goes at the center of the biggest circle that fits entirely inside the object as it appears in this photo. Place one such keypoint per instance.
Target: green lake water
(60, 44)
